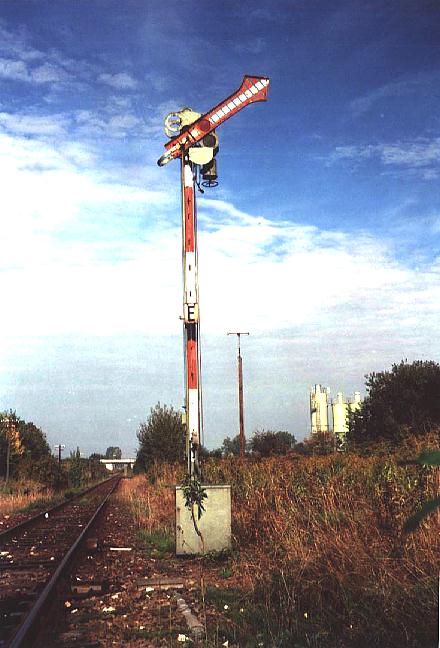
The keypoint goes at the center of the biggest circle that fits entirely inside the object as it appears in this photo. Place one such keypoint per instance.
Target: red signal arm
(251, 90)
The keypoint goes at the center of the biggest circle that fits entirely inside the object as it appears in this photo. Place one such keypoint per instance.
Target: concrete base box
(214, 525)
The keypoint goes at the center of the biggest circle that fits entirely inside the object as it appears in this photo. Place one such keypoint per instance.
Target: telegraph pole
(240, 392)
(9, 424)
(60, 447)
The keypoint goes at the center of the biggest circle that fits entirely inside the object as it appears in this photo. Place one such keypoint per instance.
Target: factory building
(340, 410)
(340, 407)
(319, 409)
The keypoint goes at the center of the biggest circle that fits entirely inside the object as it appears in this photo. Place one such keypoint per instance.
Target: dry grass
(322, 540)
(319, 540)
(151, 497)
(17, 496)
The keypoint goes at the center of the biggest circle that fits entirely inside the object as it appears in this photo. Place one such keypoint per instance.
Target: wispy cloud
(14, 70)
(33, 124)
(121, 81)
(251, 46)
(94, 124)
(404, 85)
(421, 154)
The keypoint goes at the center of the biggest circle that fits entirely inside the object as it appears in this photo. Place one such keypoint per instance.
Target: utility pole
(193, 139)
(240, 392)
(8, 450)
(60, 447)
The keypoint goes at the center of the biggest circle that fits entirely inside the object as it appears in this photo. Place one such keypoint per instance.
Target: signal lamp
(209, 174)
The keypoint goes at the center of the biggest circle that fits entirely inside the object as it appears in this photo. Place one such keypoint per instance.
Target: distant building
(319, 409)
(340, 407)
(340, 410)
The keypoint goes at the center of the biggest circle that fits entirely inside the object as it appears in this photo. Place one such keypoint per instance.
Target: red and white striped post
(190, 315)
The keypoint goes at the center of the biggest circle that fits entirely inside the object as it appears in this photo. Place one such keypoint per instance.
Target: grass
(40, 503)
(318, 544)
(21, 496)
(321, 541)
(319, 549)
(157, 543)
(27, 496)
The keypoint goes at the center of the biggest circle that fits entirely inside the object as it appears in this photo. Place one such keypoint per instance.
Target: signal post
(194, 140)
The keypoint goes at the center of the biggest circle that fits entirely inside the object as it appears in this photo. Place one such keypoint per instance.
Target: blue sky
(321, 239)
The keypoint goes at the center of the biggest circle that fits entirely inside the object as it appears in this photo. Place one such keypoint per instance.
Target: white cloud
(33, 124)
(48, 73)
(266, 275)
(57, 205)
(76, 242)
(418, 153)
(13, 70)
(117, 125)
(403, 85)
(121, 81)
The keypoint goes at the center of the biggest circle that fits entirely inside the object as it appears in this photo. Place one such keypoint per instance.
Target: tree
(268, 442)
(75, 469)
(405, 400)
(34, 441)
(319, 443)
(161, 437)
(46, 471)
(11, 447)
(113, 452)
(96, 456)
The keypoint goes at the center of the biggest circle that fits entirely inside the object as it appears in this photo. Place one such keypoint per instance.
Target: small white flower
(226, 607)
(182, 638)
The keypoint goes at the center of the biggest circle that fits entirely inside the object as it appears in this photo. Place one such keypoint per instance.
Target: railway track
(35, 557)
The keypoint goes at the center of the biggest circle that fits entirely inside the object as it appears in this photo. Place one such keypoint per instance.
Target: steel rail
(27, 633)
(28, 522)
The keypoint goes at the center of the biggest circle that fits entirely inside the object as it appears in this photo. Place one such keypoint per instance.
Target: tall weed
(321, 538)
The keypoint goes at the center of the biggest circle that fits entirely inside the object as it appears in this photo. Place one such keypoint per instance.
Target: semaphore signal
(194, 140)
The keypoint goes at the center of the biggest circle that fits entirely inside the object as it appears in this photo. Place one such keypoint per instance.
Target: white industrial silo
(319, 409)
(356, 402)
(340, 412)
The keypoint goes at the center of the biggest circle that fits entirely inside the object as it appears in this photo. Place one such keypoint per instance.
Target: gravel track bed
(123, 610)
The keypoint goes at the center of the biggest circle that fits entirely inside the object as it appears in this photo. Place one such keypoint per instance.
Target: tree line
(401, 402)
(26, 455)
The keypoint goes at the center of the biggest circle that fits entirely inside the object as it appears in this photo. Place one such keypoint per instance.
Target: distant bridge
(111, 464)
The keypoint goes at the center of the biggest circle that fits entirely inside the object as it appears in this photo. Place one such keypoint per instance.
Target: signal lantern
(209, 174)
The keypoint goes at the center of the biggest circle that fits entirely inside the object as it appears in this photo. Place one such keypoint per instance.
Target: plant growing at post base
(194, 494)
